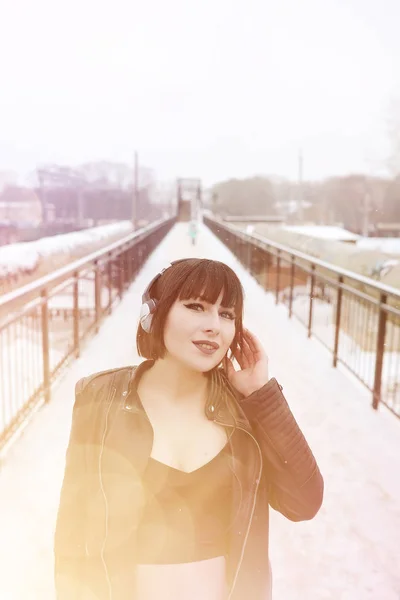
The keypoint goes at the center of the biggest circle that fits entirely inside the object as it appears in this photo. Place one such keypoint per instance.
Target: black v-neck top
(187, 515)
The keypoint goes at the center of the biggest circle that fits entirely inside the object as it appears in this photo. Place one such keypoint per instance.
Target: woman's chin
(207, 364)
(202, 364)
(197, 361)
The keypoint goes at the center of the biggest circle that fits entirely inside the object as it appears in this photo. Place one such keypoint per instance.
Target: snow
(326, 232)
(387, 245)
(15, 258)
(349, 551)
(25, 256)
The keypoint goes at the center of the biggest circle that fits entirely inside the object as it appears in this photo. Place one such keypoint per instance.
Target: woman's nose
(212, 322)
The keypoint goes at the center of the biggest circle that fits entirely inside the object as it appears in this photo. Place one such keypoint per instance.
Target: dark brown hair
(191, 278)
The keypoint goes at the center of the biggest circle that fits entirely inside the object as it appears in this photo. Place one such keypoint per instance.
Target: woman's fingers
(248, 353)
(239, 357)
(255, 344)
(229, 368)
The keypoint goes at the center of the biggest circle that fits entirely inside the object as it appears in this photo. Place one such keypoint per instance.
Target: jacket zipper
(253, 507)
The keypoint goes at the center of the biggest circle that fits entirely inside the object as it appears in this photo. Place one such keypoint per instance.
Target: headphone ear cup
(146, 315)
(146, 323)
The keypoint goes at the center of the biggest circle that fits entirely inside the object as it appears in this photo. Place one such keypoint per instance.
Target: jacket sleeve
(295, 484)
(69, 539)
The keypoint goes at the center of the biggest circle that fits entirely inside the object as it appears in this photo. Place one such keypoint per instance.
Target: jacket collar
(216, 408)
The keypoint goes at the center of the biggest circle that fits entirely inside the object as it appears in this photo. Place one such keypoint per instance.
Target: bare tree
(107, 174)
(252, 196)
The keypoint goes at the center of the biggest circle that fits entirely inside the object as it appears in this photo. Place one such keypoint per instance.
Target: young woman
(172, 465)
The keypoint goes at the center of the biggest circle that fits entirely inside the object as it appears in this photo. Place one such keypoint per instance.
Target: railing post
(120, 275)
(75, 316)
(134, 267)
(45, 346)
(337, 320)
(310, 311)
(278, 272)
(380, 349)
(257, 262)
(292, 267)
(267, 267)
(129, 265)
(125, 269)
(250, 257)
(139, 255)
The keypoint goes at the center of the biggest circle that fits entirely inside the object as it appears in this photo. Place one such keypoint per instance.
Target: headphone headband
(146, 293)
(149, 304)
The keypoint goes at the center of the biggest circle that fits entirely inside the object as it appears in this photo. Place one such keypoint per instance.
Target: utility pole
(43, 198)
(135, 195)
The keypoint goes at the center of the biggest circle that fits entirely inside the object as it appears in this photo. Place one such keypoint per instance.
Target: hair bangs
(208, 279)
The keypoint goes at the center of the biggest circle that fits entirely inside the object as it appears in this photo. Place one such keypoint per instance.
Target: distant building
(20, 205)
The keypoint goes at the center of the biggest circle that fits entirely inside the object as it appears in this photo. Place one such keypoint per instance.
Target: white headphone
(149, 304)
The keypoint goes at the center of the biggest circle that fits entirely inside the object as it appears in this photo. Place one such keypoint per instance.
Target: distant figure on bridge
(172, 464)
(193, 230)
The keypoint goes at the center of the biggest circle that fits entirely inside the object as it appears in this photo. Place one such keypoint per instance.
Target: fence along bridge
(48, 342)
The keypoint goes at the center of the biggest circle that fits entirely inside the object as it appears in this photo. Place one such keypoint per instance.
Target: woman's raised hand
(253, 363)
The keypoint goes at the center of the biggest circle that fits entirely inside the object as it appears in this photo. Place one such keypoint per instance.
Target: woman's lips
(205, 350)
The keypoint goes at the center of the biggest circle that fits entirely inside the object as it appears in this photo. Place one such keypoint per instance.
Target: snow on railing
(24, 257)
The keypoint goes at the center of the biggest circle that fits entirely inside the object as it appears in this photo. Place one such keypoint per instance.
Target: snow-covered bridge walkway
(350, 551)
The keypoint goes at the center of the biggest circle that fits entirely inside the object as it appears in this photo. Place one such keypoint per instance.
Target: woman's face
(192, 321)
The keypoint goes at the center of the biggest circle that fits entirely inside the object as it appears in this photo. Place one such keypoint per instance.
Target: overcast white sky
(208, 88)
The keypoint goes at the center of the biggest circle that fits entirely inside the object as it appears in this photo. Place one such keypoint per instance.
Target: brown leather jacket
(101, 500)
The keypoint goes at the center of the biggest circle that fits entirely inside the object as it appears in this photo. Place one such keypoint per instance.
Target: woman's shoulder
(100, 378)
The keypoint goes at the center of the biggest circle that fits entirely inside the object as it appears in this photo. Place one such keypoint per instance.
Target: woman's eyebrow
(203, 299)
(230, 308)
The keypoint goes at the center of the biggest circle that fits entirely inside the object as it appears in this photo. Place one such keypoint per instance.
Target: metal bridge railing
(43, 324)
(354, 317)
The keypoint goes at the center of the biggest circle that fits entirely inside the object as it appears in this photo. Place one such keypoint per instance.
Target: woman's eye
(229, 315)
(198, 307)
(194, 306)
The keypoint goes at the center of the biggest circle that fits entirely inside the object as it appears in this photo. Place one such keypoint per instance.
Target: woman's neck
(175, 381)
